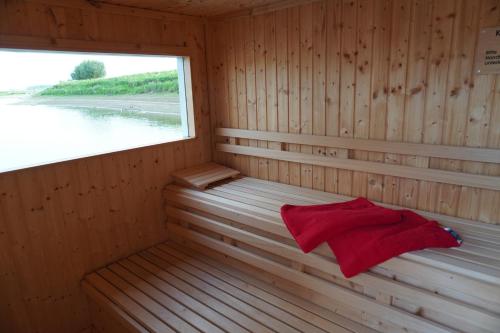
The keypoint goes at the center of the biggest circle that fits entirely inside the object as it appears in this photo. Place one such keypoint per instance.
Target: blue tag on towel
(454, 234)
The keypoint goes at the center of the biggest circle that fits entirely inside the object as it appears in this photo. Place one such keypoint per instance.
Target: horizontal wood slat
(112, 310)
(440, 176)
(404, 148)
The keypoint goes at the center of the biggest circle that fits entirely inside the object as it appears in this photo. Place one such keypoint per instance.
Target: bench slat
(134, 310)
(115, 312)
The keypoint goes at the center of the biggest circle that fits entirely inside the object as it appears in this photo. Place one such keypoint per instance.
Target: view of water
(39, 134)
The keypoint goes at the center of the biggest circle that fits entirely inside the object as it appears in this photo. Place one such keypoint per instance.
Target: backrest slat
(483, 155)
(439, 151)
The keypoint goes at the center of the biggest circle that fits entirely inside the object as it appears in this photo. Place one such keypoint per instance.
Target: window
(56, 106)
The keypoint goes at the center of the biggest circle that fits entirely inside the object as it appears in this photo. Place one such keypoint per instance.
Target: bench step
(171, 288)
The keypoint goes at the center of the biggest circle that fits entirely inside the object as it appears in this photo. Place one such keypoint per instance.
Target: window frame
(21, 43)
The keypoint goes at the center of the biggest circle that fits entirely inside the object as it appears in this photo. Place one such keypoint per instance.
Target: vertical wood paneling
(232, 94)
(294, 86)
(333, 47)
(306, 86)
(241, 85)
(282, 82)
(399, 48)
(218, 73)
(347, 83)
(61, 221)
(416, 88)
(478, 111)
(271, 88)
(379, 88)
(490, 200)
(396, 70)
(319, 87)
(260, 66)
(444, 14)
(249, 38)
(362, 88)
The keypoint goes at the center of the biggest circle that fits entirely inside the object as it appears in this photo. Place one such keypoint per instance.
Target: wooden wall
(60, 221)
(396, 70)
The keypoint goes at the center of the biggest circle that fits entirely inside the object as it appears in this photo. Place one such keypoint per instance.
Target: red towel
(313, 225)
(361, 234)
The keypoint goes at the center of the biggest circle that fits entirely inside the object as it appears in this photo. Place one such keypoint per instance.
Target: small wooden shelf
(203, 175)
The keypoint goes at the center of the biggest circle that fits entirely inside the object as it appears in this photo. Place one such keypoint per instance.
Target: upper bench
(458, 287)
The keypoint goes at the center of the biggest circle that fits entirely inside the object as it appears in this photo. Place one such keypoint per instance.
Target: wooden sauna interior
(312, 102)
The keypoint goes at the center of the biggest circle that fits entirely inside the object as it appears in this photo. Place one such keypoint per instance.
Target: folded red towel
(359, 249)
(361, 234)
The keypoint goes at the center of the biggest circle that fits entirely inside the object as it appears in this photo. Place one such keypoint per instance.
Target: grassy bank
(159, 82)
(10, 93)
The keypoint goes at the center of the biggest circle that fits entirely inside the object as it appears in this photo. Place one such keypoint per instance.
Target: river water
(40, 134)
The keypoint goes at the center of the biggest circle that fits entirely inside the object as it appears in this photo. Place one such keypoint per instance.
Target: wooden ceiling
(196, 7)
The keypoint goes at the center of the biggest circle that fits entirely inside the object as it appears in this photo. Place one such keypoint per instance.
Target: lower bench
(171, 288)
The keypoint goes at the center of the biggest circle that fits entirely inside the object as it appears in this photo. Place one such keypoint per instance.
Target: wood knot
(415, 90)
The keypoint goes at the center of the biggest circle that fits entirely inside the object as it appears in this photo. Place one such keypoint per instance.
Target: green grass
(147, 83)
(9, 93)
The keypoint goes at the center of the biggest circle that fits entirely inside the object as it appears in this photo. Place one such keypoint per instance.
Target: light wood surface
(440, 176)
(402, 148)
(106, 316)
(168, 288)
(61, 221)
(395, 71)
(203, 175)
(447, 287)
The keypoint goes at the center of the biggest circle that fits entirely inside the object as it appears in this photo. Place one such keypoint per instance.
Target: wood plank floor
(168, 288)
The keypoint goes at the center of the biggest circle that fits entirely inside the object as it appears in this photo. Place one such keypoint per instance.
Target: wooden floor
(170, 288)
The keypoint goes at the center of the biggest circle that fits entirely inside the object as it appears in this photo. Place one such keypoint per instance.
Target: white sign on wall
(488, 51)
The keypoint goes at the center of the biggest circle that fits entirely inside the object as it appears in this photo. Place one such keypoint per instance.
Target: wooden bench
(171, 288)
(231, 265)
(425, 291)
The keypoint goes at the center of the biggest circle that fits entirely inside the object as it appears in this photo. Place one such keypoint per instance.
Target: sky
(23, 69)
